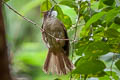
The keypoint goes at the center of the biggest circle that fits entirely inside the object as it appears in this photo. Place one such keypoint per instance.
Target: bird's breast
(52, 24)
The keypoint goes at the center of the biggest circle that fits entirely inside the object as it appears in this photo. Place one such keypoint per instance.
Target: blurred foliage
(98, 34)
(6, 0)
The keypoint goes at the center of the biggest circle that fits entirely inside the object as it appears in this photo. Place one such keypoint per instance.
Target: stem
(85, 78)
(54, 1)
(112, 63)
(91, 27)
(75, 34)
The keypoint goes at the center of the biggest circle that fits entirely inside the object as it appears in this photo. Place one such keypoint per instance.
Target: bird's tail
(57, 63)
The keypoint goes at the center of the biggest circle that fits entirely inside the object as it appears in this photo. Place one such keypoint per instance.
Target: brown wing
(62, 34)
(67, 44)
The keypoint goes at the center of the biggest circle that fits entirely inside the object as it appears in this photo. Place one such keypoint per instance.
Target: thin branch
(33, 23)
(77, 22)
(89, 9)
(112, 64)
(76, 28)
(54, 1)
(113, 59)
(21, 15)
(75, 33)
(85, 77)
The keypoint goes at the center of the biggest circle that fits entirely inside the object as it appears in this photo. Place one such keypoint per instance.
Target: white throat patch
(54, 13)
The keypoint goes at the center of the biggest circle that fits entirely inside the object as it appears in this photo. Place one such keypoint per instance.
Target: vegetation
(94, 31)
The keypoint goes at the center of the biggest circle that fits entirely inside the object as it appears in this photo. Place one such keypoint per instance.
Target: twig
(77, 22)
(112, 63)
(54, 1)
(114, 56)
(21, 15)
(91, 27)
(75, 33)
(76, 28)
(85, 77)
(33, 23)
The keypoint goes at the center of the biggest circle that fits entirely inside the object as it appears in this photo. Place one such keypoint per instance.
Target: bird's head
(50, 13)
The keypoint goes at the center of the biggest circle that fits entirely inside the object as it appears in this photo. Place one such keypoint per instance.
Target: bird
(57, 61)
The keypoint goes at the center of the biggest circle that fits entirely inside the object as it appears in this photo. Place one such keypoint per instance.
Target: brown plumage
(58, 50)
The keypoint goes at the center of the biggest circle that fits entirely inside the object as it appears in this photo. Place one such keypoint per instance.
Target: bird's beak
(48, 12)
(51, 9)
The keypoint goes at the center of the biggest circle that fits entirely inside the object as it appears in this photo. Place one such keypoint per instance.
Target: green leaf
(97, 48)
(108, 2)
(108, 76)
(114, 44)
(111, 14)
(67, 21)
(46, 5)
(98, 36)
(59, 11)
(69, 3)
(80, 47)
(114, 75)
(118, 64)
(88, 66)
(6, 0)
(57, 79)
(115, 26)
(108, 8)
(101, 5)
(117, 20)
(70, 12)
(64, 18)
(98, 33)
(94, 18)
(80, 50)
(112, 33)
(98, 74)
